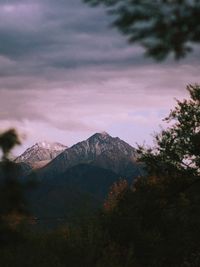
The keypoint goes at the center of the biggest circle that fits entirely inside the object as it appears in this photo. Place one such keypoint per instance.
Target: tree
(116, 193)
(177, 148)
(8, 140)
(159, 216)
(160, 26)
(13, 208)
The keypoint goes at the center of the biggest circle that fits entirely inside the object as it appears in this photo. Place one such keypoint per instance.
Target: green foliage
(177, 148)
(160, 26)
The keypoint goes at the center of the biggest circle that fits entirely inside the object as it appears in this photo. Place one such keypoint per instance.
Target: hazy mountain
(40, 154)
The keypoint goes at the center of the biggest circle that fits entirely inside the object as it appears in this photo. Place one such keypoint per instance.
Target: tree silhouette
(8, 140)
(13, 208)
(159, 215)
(177, 147)
(160, 26)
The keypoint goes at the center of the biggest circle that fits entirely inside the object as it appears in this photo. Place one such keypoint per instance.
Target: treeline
(155, 222)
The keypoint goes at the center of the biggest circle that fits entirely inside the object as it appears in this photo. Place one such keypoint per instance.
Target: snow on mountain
(51, 146)
(41, 153)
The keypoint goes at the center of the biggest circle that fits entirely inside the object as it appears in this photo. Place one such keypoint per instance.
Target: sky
(66, 74)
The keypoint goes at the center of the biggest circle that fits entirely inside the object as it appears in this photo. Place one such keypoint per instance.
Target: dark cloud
(58, 34)
(64, 71)
(44, 36)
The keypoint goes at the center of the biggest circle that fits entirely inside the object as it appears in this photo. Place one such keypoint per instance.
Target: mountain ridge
(88, 151)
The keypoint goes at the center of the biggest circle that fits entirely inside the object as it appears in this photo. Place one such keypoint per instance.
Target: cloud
(64, 74)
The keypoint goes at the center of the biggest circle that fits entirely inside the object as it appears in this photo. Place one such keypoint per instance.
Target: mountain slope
(99, 150)
(40, 154)
(78, 191)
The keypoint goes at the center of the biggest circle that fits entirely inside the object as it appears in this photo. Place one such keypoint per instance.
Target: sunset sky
(65, 74)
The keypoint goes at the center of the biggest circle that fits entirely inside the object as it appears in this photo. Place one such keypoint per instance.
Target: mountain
(77, 181)
(77, 192)
(40, 154)
(74, 181)
(101, 150)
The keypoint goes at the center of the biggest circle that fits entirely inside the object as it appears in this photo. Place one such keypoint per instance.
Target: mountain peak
(41, 151)
(101, 135)
(100, 149)
(104, 133)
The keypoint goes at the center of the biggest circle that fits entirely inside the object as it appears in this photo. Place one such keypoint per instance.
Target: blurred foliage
(8, 140)
(160, 26)
(13, 210)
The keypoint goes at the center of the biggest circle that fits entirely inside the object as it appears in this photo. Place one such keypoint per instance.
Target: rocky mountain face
(40, 154)
(99, 150)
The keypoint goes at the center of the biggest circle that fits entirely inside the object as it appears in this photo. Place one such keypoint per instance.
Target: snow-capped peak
(100, 136)
(41, 151)
(51, 146)
(104, 133)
